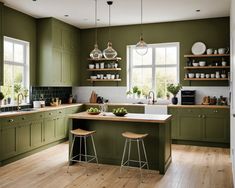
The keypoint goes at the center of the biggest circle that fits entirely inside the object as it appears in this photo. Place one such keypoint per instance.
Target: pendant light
(96, 53)
(109, 52)
(141, 47)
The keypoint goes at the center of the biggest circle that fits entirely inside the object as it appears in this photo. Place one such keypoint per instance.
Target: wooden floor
(191, 167)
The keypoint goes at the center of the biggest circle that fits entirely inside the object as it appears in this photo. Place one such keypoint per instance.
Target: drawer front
(10, 120)
(30, 117)
(72, 110)
(51, 113)
(192, 111)
(214, 111)
(173, 111)
(60, 112)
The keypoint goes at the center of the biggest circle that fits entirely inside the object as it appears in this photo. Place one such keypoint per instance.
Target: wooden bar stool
(133, 137)
(82, 134)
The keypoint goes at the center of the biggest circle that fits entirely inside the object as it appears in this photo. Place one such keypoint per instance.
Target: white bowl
(195, 64)
(191, 75)
(202, 63)
(93, 77)
(223, 75)
(91, 66)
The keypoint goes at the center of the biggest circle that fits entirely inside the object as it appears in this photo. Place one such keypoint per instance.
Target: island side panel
(164, 146)
(110, 143)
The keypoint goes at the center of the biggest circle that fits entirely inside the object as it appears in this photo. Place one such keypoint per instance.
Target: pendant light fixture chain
(95, 21)
(109, 3)
(141, 18)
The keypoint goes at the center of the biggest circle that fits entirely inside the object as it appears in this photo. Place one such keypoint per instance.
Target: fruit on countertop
(93, 111)
(120, 111)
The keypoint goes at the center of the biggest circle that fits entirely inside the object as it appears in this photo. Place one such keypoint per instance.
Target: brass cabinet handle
(199, 116)
(23, 118)
(203, 116)
(215, 111)
(60, 112)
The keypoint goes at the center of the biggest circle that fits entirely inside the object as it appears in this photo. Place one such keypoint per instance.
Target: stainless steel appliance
(188, 97)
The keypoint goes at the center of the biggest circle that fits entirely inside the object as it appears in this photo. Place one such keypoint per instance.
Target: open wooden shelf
(107, 69)
(208, 67)
(205, 55)
(206, 79)
(104, 80)
(103, 59)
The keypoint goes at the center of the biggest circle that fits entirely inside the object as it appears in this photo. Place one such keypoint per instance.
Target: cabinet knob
(50, 113)
(23, 118)
(60, 112)
(215, 111)
(203, 116)
(199, 116)
(10, 120)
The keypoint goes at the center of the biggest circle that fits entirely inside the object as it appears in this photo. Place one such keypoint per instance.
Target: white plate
(198, 48)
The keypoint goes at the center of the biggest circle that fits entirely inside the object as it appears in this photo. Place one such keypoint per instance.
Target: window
(16, 68)
(154, 70)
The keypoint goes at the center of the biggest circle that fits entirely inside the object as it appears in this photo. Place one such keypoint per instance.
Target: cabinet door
(49, 130)
(57, 35)
(8, 141)
(66, 39)
(23, 135)
(37, 133)
(216, 128)
(60, 128)
(66, 68)
(174, 123)
(56, 69)
(1, 45)
(74, 68)
(190, 127)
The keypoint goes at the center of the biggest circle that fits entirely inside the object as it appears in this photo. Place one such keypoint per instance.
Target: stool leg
(138, 147)
(123, 155)
(145, 154)
(93, 143)
(85, 149)
(80, 149)
(71, 152)
(129, 152)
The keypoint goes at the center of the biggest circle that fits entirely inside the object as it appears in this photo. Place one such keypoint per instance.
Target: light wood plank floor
(192, 166)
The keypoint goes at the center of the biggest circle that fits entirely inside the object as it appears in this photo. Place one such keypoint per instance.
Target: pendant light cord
(141, 17)
(96, 22)
(109, 20)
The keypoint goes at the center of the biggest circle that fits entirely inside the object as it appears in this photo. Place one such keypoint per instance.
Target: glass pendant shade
(109, 52)
(141, 47)
(96, 53)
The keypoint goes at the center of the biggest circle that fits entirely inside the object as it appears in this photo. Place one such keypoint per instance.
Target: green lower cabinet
(60, 128)
(205, 125)
(8, 141)
(23, 135)
(36, 133)
(49, 130)
(216, 128)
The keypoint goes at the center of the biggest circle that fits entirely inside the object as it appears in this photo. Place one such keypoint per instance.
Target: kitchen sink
(27, 110)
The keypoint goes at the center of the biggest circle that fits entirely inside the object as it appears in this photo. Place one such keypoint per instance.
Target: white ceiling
(123, 12)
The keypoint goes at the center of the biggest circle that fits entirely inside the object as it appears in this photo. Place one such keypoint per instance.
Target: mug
(117, 76)
(207, 76)
(202, 75)
(102, 65)
(224, 63)
(97, 65)
(197, 75)
(212, 75)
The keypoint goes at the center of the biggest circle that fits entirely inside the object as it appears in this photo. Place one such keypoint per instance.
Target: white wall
(118, 94)
(232, 84)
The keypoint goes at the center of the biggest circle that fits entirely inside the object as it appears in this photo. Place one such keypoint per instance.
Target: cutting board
(93, 97)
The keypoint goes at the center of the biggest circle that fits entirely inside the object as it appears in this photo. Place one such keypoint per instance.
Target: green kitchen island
(110, 143)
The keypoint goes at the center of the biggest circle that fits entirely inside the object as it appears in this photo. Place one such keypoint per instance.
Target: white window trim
(25, 64)
(153, 65)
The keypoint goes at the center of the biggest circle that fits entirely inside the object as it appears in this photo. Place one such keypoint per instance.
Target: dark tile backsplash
(48, 93)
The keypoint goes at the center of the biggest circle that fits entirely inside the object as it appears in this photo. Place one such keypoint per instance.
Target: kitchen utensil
(221, 50)
(202, 63)
(202, 75)
(91, 66)
(197, 75)
(198, 48)
(191, 75)
(195, 64)
(209, 51)
(212, 75)
(93, 97)
(207, 76)
(223, 75)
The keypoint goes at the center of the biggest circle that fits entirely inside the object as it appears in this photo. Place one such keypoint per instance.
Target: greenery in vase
(174, 89)
(25, 92)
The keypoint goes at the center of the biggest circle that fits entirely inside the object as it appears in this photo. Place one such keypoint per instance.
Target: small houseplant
(174, 90)
(1, 98)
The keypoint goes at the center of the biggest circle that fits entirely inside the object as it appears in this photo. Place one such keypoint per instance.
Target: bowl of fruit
(93, 111)
(120, 112)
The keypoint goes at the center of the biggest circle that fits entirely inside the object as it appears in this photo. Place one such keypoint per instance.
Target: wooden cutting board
(93, 97)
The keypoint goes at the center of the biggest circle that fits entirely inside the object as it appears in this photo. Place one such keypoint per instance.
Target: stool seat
(81, 132)
(131, 135)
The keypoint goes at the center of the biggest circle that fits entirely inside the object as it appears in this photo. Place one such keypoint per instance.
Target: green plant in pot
(1, 98)
(174, 90)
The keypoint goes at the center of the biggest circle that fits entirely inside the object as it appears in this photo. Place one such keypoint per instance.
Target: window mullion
(153, 70)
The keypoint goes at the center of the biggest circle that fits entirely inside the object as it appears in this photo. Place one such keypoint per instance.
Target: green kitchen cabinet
(8, 138)
(23, 137)
(205, 125)
(37, 133)
(49, 130)
(57, 52)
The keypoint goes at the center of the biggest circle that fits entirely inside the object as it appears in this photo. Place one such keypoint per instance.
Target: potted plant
(26, 94)
(1, 98)
(174, 90)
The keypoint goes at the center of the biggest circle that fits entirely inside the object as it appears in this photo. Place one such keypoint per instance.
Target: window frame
(25, 64)
(130, 65)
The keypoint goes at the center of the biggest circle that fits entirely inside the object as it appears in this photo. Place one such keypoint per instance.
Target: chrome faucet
(153, 98)
(18, 100)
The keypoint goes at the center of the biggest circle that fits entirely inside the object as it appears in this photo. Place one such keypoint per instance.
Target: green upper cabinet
(1, 45)
(58, 53)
